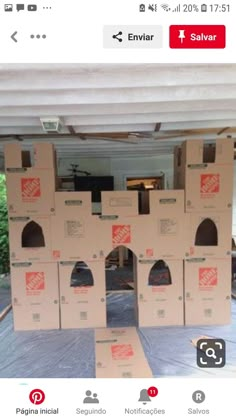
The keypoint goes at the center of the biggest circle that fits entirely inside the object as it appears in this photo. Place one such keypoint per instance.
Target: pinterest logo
(37, 396)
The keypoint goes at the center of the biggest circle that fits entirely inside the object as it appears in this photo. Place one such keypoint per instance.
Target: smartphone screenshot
(117, 217)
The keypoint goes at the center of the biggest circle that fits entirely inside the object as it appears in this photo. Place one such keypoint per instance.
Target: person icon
(90, 399)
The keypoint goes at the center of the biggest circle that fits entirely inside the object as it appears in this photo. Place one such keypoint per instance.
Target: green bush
(4, 242)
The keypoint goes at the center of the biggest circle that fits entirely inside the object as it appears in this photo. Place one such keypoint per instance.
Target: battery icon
(203, 8)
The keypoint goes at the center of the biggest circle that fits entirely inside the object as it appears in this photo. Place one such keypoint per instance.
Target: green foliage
(4, 242)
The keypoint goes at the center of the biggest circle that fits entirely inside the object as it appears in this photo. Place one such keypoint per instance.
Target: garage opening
(32, 236)
(159, 274)
(207, 234)
(120, 268)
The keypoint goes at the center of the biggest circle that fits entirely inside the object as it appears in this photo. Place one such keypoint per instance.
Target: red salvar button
(197, 36)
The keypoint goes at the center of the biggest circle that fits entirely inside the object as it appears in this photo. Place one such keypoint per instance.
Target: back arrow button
(13, 36)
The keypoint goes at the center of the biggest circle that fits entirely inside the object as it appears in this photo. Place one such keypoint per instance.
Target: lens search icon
(211, 353)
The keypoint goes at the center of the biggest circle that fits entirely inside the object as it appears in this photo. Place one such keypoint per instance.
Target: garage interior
(119, 121)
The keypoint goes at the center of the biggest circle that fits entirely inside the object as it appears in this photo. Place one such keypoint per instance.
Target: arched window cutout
(119, 269)
(81, 275)
(32, 236)
(206, 234)
(159, 274)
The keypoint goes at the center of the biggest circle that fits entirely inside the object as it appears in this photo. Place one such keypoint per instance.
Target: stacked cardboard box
(160, 277)
(31, 202)
(206, 174)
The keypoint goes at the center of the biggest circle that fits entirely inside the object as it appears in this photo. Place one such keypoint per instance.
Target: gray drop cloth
(70, 353)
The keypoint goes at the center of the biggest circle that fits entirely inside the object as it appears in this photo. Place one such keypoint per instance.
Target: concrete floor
(70, 353)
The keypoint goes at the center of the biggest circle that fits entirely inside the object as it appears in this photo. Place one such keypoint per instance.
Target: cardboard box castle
(54, 234)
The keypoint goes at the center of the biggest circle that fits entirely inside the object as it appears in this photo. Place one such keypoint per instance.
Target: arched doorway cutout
(207, 233)
(32, 236)
(121, 287)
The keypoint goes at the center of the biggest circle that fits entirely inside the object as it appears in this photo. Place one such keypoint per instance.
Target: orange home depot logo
(35, 282)
(30, 188)
(208, 277)
(210, 183)
(121, 234)
(122, 351)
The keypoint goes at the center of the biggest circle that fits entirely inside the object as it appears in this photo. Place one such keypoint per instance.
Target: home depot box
(160, 293)
(208, 187)
(168, 223)
(206, 174)
(82, 294)
(30, 189)
(92, 238)
(134, 233)
(209, 234)
(207, 291)
(119, 354)
(30, 238)
(35, 296)
(122, 203)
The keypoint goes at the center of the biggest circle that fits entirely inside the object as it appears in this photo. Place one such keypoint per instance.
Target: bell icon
(144, 397)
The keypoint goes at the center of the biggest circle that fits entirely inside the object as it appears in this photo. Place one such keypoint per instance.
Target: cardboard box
(220, 152)
(160, 293)
(206, 174)
(121, 203)
(30, 189)
(44, 156)
(92, 238)
(119, 354)
(168, 223)
(35, 296)
(209, 234)
(82, 294)
(134, 233)
(30, 239)
(208, 187)
(73, 204)
(207, 291)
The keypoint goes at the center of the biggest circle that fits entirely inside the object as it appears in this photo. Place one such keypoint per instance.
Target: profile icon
(90, 399)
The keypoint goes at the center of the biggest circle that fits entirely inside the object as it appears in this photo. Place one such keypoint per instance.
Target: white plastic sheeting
(70, 353)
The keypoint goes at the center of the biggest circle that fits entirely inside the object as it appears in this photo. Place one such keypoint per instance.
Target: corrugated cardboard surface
(82, 306)
(44, 156)
(119, 354)
(31, 192)
(193, 151)
(73, 203)
(207, 291)
(38, 234)
(122, 203)
(168, 223)
(35, 296)
(205, 227)
(76, 238)
(160, 304)
(208, 187)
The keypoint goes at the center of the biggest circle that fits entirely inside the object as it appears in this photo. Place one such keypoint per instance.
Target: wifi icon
(166, 7)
